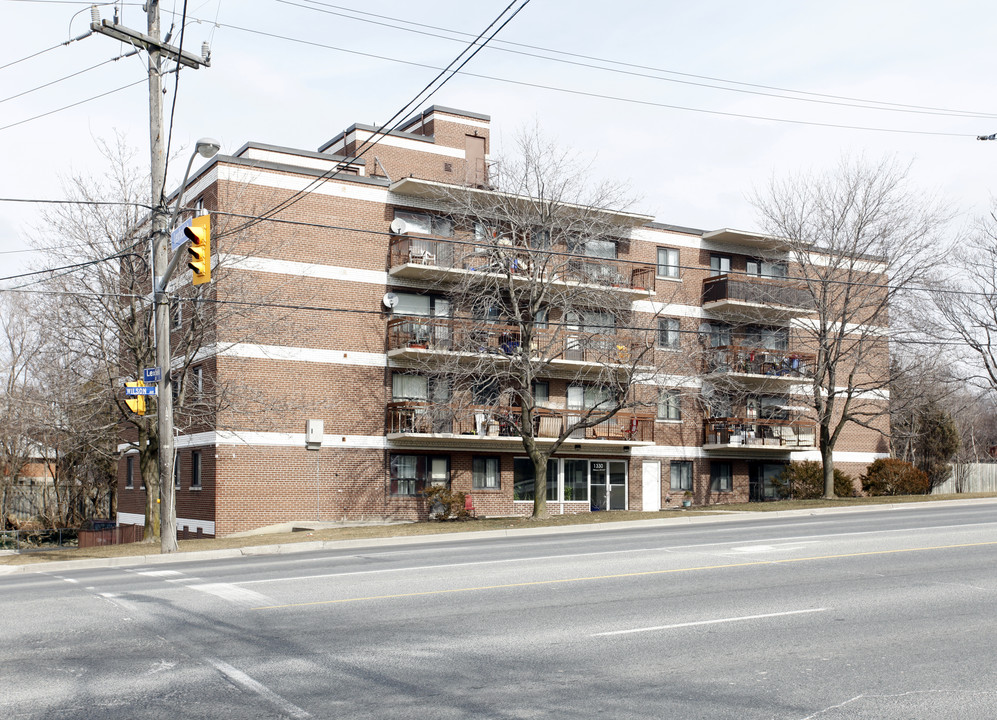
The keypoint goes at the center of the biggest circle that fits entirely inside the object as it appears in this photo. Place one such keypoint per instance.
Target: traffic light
(135, 403)
(199, 234)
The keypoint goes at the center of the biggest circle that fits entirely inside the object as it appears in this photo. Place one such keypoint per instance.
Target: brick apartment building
(356, 273)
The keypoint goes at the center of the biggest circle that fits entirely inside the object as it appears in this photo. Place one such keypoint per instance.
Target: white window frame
(669, 337)
(196, 469)
(668, 263)
(670, 406)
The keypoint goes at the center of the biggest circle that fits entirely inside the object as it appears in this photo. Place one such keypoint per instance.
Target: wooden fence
(970, 478)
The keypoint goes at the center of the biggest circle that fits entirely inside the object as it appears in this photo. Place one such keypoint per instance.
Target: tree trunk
(826, 454)
(540, 488)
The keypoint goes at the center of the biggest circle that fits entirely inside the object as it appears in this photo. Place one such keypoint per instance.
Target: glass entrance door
(608, 480)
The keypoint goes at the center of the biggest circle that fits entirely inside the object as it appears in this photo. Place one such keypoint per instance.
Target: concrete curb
(721, 516)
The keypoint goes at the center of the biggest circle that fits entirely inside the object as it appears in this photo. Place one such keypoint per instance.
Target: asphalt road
(869, 614)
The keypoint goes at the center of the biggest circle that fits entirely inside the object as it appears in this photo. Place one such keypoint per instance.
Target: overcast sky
(686, 112)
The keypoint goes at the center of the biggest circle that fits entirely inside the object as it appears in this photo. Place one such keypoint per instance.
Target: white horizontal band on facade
(295, 183)
(205, 526)
(652, 307)
(305, 270)
(405, 143)
(289, 158)
(863, 458)
(456, 119)
(300, 354)
(277, 439)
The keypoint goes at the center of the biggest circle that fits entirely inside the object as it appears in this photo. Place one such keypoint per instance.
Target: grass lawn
(431, 528)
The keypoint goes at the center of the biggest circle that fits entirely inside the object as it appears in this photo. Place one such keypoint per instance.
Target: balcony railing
(482, 421)
(758, 433)
(757, 291)
(449, 254)
(463, 336)
(758, 361)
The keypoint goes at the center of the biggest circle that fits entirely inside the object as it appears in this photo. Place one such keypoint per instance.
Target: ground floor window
(681, 475)
(130, 471)
(410, 474)
(524, 479)
(195, 470)
(721, 476)
(601, 483)
(485, 473)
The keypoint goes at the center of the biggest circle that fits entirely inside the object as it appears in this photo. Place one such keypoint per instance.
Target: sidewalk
(316, 545)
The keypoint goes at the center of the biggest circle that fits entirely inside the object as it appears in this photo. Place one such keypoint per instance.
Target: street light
(207, 148)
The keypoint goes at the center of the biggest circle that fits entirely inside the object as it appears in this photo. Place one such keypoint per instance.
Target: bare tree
(18, 356)
(859, 238)
(535, 295)
(101, 312)
(966, 305)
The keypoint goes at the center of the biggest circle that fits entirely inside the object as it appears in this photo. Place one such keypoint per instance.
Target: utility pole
(160, 235)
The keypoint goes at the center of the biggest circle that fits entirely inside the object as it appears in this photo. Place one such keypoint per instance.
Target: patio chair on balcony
(421, 256)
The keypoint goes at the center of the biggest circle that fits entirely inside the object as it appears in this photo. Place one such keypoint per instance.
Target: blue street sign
(149, 390)
(152, 375)
(177, 238)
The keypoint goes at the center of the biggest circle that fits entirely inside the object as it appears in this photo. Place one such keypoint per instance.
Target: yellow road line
(624, 575)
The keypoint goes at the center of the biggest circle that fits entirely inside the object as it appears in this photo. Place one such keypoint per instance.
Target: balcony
(756, 366)
(418, 337)
(423, 423)
(428, 258)
(757, 297)
(757, 436)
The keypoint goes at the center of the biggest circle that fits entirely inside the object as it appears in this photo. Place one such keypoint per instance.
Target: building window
(681, 475)
(421, 305)
(425, 224)
(670, 405)
(668, 334)
(769, 338)
(719, 335)
(524, 481)
(198, 379)
(721, 476)
(589, 397)
(410, 474)
(719, 264)
(176, 473)
(541, 393)
(409, 387)
(130, 472)
(176, 314)
(195, 470)
(668, 262)
(767, 268)
(485, 473)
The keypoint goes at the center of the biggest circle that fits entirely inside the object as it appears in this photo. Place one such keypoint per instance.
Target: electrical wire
(66, 77)
(600, 96)
(825, 99)
(176, 92)
(72, 105)
(643, 67)
(429, 90)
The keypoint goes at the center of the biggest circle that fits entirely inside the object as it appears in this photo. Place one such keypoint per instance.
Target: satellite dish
(398, 227)
(389, 300)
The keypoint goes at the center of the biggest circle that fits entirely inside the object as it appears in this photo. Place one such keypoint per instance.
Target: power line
(66, 77)
(599, 96)
(72, 105)
(816, 97)
(429, 90)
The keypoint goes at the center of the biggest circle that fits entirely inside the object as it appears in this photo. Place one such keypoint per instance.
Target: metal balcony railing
(758, 290)
(448, 254)
(758, 361)
(754, 432)
(464, 336)
(481, 421)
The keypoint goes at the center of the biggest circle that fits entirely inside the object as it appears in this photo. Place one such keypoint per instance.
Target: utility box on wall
(313, 434)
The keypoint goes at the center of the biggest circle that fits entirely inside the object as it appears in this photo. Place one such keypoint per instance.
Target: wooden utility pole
(160, 237)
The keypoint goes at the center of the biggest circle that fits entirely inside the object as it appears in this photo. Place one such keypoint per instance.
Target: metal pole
(318, 512)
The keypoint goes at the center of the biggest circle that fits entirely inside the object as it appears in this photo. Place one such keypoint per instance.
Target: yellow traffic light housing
(199, 234)
(136, 403)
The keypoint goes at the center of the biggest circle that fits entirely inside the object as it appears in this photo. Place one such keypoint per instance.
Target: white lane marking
(771, 548)
(160, 573)
(242, 679)
(116, 599)
(237, 595)
(710, 622)
(664, 548)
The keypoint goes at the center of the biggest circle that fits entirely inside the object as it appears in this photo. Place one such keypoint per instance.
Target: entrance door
(650, 480)
(608, 479)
